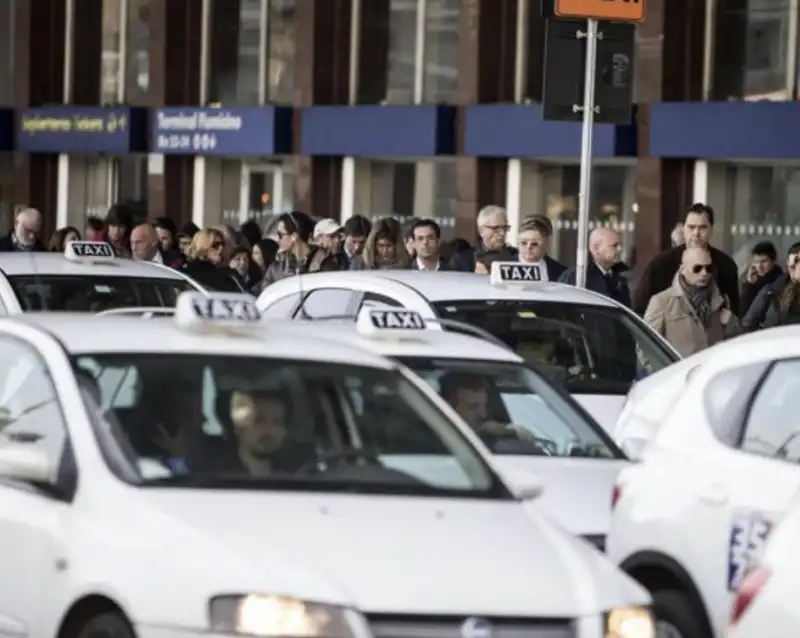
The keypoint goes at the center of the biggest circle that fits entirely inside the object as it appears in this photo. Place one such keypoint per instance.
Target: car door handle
(713, 495)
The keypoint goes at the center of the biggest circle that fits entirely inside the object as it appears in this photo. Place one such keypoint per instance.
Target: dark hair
(190, 229)
(699, 209)
(240, 250)
(358, 226)
(95, 223)
(538, 224)
(766, 249)
(424, 222)
(297, 222)
(460, 245)
(268, 248)
(165, 223)
(251, 231)
(452, 382)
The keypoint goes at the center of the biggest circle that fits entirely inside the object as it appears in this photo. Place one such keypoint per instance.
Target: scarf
(699, 298)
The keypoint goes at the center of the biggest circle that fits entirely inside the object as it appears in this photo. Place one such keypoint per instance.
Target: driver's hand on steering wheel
(500, 429)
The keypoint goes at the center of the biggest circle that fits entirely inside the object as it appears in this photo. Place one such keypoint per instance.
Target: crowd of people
(691, 293)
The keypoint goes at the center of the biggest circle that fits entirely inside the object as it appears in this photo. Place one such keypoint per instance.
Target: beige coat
(671, 315)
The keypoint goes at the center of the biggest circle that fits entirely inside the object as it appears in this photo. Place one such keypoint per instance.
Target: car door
(31, 519)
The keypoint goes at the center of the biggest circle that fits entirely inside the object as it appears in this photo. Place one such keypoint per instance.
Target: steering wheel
(311, 467)
(547, 447)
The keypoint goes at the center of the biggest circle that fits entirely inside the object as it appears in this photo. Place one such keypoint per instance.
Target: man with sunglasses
(778, 304)
(692, 314)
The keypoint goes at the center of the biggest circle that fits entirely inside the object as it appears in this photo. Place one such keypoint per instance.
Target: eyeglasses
(498, 229)
(217, 245)
(698, 268)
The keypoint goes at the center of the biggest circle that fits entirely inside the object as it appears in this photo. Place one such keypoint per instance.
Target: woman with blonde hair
(384, 248)
(206, 263)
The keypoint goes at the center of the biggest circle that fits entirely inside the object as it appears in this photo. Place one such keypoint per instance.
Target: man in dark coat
(604, 270)
(698, 226)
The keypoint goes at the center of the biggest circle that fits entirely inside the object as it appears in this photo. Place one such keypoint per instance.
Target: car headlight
(280, 616)
(630, 622)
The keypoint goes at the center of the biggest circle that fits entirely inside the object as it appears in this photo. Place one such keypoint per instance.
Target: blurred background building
(403, 107)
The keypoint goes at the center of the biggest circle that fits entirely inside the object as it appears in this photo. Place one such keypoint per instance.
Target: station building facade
(224, 110)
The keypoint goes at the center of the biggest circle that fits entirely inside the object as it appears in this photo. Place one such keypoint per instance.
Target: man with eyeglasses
(692, 314)
(493, 230)
(25, 234)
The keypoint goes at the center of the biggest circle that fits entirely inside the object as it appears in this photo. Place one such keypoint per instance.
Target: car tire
(109, 624)
(678, 617)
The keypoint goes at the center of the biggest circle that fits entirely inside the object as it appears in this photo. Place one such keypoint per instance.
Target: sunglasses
(217, 245)
(698, 268)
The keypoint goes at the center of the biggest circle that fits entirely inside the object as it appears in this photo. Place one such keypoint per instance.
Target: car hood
(402, 554)
(576, 491)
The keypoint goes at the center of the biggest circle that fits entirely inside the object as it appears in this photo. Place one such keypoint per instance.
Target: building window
(252, 52)
(611, 205)
(110, 62)
(408, 52)
(755, 203)
(408, 189)
(7, 51)
(137, 52)
(753, 50)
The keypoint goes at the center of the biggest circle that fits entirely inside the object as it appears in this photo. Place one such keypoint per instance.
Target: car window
(29, 406)
(726, 397)
(587, 349)
(94, 293)
(283, 307)
(325, 303)
(773, 425)
(286, 425)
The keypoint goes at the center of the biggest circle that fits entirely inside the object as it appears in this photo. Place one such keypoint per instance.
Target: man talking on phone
(763, 271)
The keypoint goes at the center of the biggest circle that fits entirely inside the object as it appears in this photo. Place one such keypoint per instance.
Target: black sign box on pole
(565, 61)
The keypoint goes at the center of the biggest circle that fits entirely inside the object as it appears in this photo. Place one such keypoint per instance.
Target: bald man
(692, 314)
(604, 270)
(145, 245)
(25, 234)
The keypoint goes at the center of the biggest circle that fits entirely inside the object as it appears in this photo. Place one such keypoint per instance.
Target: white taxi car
(590, 344)
(526, 421)
(691, 517)
(87, 277)
(765, 601)
(213, 476)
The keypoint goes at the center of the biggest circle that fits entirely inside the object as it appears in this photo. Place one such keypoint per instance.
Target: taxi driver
(260, 422)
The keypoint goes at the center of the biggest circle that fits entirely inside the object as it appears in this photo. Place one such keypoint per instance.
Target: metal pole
(585, 189)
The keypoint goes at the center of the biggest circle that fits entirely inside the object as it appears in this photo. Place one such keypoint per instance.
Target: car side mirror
(24, 462)
(525, 485)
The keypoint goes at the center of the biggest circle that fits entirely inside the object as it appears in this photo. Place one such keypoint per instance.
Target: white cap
(327, 227)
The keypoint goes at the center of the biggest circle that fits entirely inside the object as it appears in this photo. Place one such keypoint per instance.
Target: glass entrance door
(267, 190)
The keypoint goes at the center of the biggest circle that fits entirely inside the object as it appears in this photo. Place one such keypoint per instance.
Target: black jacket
(750, 290)
(613, 284)
(765, 310)
(7, 245)
(443, 264)
(213, 278)
(465, 259)
(660, 272)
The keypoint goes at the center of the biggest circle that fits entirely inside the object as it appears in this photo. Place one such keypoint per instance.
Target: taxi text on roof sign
(88, 251)
(198, 307)
(616, 10)
(385, 323)
(504, 272)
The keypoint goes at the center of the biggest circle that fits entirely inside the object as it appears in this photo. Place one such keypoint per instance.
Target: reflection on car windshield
(587, 349)
(217, 421)
(94, 293)
(513, 410)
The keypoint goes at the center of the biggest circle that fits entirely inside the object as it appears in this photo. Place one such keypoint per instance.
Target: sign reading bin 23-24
(214, 131)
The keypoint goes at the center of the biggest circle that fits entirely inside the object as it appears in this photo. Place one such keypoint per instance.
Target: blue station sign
(239, 131)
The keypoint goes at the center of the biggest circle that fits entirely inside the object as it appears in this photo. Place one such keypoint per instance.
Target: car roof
(36, 263)
(452, 286)
(427, 343)
(772, 343)
(80, 333)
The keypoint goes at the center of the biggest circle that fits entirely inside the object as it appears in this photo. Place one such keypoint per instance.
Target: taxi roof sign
(514, 272)
(616, 10)
(91, 251)
(225, 310)
(391, 322)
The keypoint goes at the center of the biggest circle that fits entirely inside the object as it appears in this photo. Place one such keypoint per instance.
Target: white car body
(419, 291)
(692, 516)
(158, 555)
(765, 603)
(44, 265)
(577, 491)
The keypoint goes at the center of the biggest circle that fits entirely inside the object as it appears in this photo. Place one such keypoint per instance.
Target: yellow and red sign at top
(617, 10)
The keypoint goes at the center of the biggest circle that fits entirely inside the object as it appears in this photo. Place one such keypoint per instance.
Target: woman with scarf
(778, 304)
(692, 314)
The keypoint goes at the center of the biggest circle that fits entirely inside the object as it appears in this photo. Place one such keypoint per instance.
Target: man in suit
(25, 234)
(534, 242)
(604, 270)
(426, 236)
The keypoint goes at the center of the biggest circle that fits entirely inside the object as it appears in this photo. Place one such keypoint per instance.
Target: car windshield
(94, 293)
(587, 349)
(216, 421)
(514, 410)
